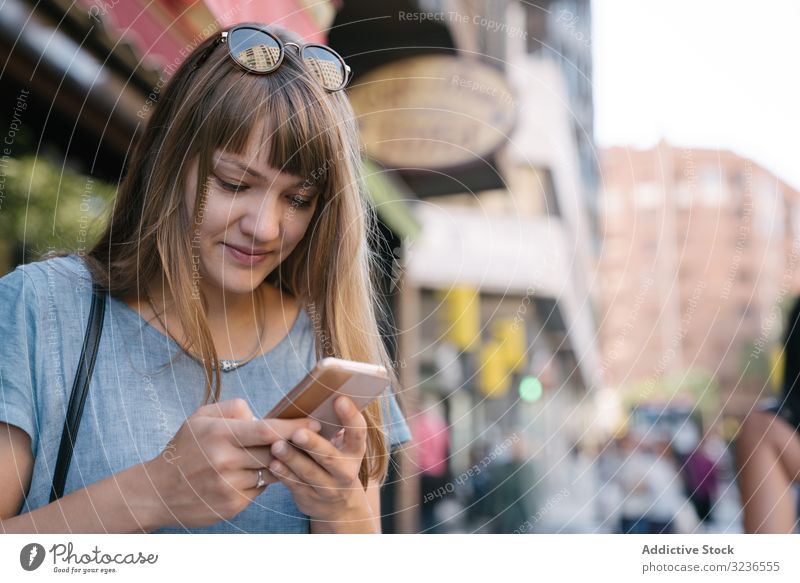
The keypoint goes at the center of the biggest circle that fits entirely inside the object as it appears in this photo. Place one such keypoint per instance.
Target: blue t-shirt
(137, 400)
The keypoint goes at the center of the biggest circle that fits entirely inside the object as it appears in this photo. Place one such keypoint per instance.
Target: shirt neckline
(158, 334)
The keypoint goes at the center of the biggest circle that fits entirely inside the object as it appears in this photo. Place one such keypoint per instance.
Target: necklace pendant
(228, 365)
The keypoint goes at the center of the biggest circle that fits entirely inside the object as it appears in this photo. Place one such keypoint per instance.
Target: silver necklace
(225, 365)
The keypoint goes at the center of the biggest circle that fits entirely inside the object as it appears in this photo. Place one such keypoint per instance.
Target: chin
(241, 284)
(234, 281)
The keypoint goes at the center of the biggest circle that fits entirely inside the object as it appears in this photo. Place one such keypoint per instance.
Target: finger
(230, 409)
(254, 433)
(246, 481)
(289, 479)
(254, 457)
(324, 453)
(301, 465)
(355, 426)
(338, 439)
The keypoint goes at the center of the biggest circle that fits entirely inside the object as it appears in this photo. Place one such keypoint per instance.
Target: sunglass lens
(326, 66)
(254, 49)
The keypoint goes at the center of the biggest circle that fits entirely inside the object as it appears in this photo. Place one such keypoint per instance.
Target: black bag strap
(80, 388)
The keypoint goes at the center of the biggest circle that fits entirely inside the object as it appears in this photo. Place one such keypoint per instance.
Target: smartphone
(314, 395)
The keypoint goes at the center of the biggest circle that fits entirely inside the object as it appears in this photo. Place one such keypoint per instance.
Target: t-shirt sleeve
(18, 330)
(395, 424)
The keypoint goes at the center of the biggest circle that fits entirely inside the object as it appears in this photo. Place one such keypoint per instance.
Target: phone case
(314, 395)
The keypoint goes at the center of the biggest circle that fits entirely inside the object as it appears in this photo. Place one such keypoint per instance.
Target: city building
(697, 268)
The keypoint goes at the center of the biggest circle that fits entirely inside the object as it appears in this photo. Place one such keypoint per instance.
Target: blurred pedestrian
(768, 449)
(432, 458)
(701, 477)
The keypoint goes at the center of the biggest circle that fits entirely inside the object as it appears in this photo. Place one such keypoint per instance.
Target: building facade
(698, 266)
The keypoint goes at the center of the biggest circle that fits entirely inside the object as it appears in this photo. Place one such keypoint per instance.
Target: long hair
(210, 104)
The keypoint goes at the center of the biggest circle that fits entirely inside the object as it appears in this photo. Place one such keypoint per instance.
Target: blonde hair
(311, 133)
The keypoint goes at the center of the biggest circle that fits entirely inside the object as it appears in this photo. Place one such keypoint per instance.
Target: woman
(236, 256)
(768, 450)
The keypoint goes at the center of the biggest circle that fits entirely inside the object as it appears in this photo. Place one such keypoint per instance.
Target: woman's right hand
(208, 471)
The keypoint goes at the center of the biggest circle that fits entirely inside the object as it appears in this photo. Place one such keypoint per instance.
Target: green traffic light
(530, 389)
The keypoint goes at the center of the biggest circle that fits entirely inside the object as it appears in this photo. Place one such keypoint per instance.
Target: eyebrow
(244, 168)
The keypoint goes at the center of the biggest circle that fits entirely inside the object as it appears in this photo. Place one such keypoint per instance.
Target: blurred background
(589, 224)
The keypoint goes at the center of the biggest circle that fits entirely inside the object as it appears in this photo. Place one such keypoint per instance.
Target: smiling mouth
(245, 251)
(245, 258)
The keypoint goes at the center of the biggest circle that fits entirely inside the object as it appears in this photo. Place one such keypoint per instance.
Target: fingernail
(300, 437)
(314, 425)
(280, 448)
(275, 467)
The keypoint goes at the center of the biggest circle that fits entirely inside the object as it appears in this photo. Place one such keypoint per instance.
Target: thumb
(355, 426)
(230, 409)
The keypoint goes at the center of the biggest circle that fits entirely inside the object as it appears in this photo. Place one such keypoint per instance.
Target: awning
(392, 200)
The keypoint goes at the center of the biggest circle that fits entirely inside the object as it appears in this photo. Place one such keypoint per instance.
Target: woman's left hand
(323, 478)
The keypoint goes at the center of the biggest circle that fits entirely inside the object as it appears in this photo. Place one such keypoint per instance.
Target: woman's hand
(209, 470)
(323, 478)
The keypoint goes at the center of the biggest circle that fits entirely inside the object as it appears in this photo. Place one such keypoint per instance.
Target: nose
(263, 224)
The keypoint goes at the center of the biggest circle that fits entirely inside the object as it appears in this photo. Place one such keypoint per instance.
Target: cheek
(296, 229)
(212, 218)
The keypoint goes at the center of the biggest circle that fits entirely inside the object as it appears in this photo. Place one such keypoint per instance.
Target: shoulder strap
(80, 388)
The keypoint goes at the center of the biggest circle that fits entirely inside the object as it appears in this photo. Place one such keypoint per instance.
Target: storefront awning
(392, 200)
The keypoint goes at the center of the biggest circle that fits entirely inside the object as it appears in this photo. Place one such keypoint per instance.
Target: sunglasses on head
(256, 50)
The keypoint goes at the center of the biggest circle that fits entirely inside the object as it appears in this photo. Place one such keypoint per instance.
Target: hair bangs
(293, 121)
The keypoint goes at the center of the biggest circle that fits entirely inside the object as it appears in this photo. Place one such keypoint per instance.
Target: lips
(246, 257)
(248, 251)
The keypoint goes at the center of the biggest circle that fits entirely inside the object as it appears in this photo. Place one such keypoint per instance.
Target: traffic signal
(530, 389)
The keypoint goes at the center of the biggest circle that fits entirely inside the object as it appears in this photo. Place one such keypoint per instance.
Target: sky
(706, 73)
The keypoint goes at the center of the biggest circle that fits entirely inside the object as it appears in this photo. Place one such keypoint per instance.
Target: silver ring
(261, 481)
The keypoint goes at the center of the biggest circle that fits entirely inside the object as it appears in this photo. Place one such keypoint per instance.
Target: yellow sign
(463, 317)
(495, 378)
(511, 336)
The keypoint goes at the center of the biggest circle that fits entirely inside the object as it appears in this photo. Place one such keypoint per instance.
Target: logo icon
(31, 556)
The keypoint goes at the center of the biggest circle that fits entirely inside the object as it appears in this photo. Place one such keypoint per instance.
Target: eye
(230, 187)
(300, 202)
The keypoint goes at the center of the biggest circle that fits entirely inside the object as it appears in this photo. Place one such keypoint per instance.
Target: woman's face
(253, 218)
